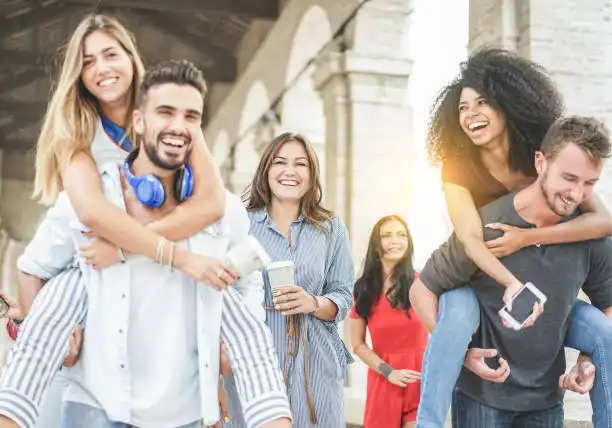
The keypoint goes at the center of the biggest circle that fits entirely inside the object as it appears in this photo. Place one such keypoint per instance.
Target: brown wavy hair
(258, 194)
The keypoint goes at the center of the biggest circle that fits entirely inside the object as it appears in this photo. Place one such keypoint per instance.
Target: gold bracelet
(122, 258)
(161, 245)
(172, 244)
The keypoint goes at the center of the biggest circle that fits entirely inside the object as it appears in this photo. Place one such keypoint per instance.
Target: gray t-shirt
(536, 354)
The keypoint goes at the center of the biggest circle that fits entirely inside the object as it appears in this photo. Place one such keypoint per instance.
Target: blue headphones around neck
(150, 191)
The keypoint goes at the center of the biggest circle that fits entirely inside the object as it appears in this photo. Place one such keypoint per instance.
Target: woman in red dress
(398, 337)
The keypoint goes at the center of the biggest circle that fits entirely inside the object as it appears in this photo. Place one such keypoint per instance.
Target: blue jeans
(77, 415)
(51, 405)
(590, 331)
(469, 413)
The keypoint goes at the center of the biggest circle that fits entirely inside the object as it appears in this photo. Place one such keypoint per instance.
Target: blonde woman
(88, 124)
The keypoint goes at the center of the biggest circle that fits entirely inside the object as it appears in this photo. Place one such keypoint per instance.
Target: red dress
(401, 342)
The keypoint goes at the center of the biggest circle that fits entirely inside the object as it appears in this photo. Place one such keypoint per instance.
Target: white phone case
(515, 324)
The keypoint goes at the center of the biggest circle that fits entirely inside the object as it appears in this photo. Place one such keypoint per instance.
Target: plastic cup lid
(280, 264)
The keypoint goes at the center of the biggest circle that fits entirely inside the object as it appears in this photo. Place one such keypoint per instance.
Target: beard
(154, 148)
(550, 199)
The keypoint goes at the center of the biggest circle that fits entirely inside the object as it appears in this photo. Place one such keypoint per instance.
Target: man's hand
(99, 253)
(293, 299)
(74, 352)
(14, 310)
(475, 362)
(510, 242)
(581, 377)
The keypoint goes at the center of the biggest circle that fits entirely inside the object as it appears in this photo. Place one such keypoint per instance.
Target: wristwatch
(385, 369)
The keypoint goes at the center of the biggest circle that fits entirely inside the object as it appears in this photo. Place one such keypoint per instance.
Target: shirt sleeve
(250, 288)
(254, 361)
(448, 267)
(52, 249)
(340, 274)
(598, 284)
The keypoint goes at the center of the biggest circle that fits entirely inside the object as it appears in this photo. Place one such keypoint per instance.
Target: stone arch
(302, 105)
(221, 153)
(246, 156)
(221, 148)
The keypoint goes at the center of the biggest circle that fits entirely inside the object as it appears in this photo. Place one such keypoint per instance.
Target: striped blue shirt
(323, 267)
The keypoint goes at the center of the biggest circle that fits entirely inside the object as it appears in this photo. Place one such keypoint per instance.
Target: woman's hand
(14, 311)
(293, 299)
(404, 377)
(74, 351)
(208, 270)
(99, 253)
(513, 239)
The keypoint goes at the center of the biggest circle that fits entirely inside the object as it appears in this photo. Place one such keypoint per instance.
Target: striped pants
(44, 339)
(41, 346)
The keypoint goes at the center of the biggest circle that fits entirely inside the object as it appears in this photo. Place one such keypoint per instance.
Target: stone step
(568, 424)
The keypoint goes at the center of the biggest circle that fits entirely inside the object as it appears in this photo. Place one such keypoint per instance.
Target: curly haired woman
(485, 129)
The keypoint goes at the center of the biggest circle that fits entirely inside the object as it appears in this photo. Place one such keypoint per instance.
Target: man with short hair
(524, 391)
(150, 357)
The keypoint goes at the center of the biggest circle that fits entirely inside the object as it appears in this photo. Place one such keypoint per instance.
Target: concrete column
(493, 22)
(368, 124)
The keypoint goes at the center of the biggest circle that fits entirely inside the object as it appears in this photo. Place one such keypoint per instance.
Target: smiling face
(481, 123)
(168, 119)
(568, 179)
(289, 173)
(393, 241)
(107, 69)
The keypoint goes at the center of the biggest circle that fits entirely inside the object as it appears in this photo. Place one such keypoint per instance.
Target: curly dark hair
(518, 88)
(369, 286)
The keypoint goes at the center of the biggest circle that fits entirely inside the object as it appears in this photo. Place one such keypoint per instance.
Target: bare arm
(359, 345)
(83, 185)
(327, 310)
(204, 207)
(595, 222)
(29, 286)
(424, 303)
(468, 228)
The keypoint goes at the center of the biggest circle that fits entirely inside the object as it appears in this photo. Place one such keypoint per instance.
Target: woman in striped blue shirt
(287, 217)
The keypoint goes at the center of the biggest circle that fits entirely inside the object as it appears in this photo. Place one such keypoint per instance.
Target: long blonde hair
(71, 119)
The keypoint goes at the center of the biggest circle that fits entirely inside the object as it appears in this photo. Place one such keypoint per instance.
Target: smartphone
(522, 306)
(4, 307)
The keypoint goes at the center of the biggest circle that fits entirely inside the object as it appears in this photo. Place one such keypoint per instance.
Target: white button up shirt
(103, 377)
